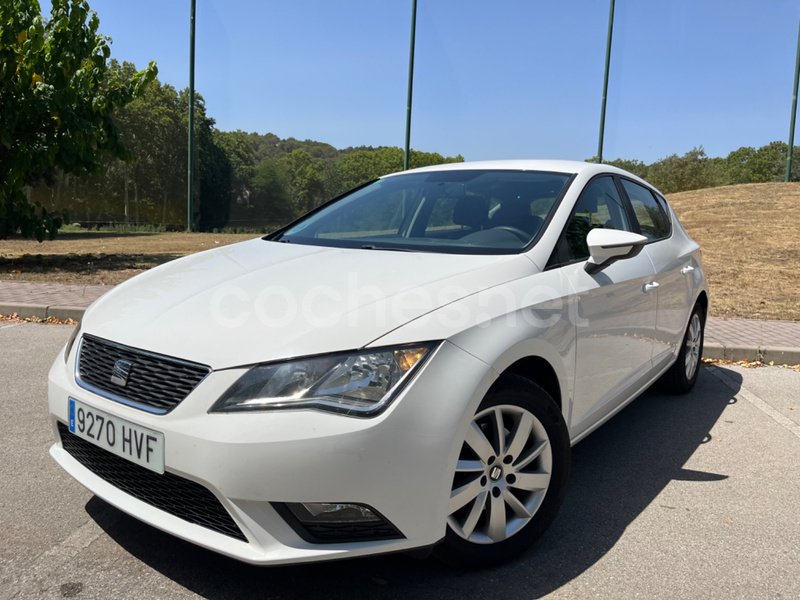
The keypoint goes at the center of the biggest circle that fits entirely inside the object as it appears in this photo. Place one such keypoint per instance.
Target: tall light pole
(794, 111)
(410, 83)
(190, 171)
(605, 83)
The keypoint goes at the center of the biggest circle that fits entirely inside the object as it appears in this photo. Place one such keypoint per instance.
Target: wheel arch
(702, 300)
(547, 361)
(539, 371)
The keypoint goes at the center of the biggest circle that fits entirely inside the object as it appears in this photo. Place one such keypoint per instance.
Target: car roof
(556, 166)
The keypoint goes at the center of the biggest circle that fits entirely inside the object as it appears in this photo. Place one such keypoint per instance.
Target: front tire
(511, 475)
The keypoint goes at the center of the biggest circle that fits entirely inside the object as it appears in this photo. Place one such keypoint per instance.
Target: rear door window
(649, 212)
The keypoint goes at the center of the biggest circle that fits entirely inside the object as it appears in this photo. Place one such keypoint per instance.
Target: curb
(41, 311)
(777, 354)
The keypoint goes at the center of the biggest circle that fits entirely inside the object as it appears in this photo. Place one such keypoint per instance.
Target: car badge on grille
(121, 372)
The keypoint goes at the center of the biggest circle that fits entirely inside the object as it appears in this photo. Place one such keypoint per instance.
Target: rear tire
(511, 476)
(682, 376)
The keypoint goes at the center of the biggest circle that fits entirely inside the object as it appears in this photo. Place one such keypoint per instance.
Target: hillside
(750, 235)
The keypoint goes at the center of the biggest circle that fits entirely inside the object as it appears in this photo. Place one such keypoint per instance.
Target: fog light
(332, 522)
(321, 512)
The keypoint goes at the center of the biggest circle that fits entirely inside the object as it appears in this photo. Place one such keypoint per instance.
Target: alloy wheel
(502, 475)
(693, 339)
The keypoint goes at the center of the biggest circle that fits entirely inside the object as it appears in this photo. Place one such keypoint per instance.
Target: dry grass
(750, 236)
(95, 258)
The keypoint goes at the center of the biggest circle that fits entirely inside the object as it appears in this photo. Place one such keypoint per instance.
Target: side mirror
(607, 246)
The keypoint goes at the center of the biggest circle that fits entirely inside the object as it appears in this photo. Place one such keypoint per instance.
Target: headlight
(359, 383)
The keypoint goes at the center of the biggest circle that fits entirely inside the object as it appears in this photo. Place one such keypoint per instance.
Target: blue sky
(503, 79)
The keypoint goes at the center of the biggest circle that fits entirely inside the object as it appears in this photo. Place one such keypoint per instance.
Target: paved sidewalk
(747, 339)
(731, 339)
(44, 300)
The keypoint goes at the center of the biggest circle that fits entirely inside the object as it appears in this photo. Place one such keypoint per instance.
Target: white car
(405, 367)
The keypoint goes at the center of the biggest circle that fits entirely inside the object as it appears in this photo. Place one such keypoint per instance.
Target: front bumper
(400, 463)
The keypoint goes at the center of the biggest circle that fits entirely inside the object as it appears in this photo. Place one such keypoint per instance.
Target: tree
(361, 166)
(238, 147)
(691, 171)
(315, 149)
(213, 169)
(769, 163)
(304, 174)
(739, 165)
(56, 105)
(265, 147)
(269, 201)
(151, 128)
(636, 167)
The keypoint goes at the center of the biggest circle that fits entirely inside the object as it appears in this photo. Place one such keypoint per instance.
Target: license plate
(138, 444)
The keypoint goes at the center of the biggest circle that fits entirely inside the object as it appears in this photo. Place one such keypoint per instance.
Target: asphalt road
(677, 497)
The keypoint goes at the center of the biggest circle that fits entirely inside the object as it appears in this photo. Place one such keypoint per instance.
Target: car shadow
(617, 473)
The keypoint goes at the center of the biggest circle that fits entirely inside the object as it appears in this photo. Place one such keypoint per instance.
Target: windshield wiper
(374, 247)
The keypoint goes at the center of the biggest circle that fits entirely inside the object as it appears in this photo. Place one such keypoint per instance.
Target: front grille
(179, 497)
(154, 382)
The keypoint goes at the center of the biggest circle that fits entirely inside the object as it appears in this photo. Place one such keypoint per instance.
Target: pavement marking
(775, 415)
(10, 325)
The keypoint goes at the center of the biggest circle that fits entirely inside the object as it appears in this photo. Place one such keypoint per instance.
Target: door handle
(687, 269)
(649, 287)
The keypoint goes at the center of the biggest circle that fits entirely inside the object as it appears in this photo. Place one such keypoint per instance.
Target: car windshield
(454, 211)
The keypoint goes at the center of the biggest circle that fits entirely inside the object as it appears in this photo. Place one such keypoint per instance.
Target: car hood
(258, 301)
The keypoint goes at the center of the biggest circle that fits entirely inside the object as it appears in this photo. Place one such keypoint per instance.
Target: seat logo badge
(496, 473)
(121, 372)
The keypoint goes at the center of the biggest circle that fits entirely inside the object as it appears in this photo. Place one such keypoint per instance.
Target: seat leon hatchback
(405, 367)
